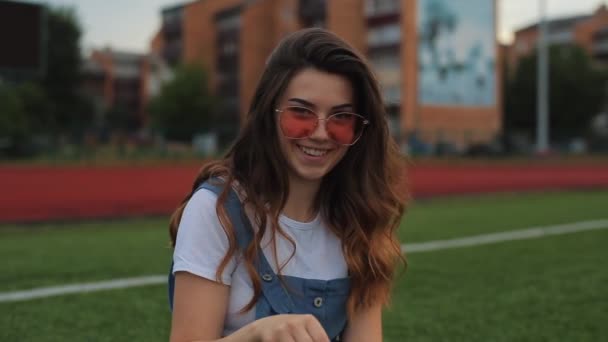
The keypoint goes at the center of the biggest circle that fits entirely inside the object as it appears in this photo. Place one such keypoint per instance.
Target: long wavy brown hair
(361, 199)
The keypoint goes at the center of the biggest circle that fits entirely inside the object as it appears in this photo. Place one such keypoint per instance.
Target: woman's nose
(320, 132)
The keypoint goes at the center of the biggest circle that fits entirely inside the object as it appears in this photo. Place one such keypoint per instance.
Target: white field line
(484, 239)
(476, 240)
(43, 292)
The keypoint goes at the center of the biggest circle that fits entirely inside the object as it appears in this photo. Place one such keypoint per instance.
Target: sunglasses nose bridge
(320, 126)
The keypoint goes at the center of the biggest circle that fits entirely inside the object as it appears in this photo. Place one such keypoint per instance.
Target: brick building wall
(346, 19)
(258, 38)
(584, 31)
(157, 43)
(265, 22)
(115, 88)
(199, 34)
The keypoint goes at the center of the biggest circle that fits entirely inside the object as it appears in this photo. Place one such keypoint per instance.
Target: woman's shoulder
(201, 242)
(202, 198)
(216, 184)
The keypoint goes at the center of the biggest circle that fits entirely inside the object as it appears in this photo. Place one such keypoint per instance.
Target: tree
(53, 103)
(26, 119)
(185, 106)
(37, 108)
(576, 93)
(13, 121)
(14, 127)
(72, 111)
(118, 119)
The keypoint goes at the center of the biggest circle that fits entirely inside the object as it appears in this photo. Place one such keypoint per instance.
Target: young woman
(292, 236)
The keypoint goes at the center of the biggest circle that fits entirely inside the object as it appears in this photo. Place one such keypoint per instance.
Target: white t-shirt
(201, 245)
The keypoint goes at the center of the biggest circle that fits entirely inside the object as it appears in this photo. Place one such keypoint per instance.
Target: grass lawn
(543, 289)
(66, 253)
(136, 314)
(550, 289)
(446, 218)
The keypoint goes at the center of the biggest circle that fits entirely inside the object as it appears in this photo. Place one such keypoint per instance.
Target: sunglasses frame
(365, 123)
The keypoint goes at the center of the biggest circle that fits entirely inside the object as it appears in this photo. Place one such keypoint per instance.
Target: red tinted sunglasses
(344, 128)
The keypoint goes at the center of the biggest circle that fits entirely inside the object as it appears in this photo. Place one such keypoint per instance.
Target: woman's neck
(300, 202)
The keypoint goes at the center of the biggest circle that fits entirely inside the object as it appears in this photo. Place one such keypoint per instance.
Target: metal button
(267, 277)
(318, 302)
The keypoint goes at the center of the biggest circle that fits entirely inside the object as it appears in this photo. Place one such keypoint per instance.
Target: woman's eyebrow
(343, 106)
(302, 102)
(312, 105)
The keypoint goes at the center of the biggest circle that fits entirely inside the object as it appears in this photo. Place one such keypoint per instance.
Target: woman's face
(311, 158)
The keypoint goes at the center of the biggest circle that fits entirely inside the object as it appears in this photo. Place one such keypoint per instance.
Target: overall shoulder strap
(272, 288)
(234, 208)
(242, 228)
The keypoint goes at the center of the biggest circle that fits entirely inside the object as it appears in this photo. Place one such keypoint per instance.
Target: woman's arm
(200, 306)
(365, 326)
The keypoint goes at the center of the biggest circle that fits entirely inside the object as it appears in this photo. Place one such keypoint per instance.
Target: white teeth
(313, 151)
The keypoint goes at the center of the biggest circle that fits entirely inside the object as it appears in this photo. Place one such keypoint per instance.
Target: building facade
(118, 80)
(233, 38)
(588, 31)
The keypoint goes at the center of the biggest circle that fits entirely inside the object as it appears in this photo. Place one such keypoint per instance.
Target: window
(312, 13)
(392, 94)
(385, 59)
(229, 23)
(384, 35)
(172, 16)
(380, 7)
(600, 46)
(560, 37)
(229, 48)
(522, 47)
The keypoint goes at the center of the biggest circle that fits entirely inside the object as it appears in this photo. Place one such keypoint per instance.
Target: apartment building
(233, 38)
(116, 79)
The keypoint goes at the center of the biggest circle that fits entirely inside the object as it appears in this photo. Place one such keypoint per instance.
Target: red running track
(32, 193)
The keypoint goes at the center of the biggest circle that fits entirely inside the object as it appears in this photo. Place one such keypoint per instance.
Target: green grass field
(547, 289)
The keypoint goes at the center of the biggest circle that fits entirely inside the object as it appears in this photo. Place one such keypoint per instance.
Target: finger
(285, 334)
(300, 333)
(315, 329)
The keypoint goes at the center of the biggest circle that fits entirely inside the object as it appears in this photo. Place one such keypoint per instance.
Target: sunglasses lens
(344, 128)
(297, 122)
(300, 122)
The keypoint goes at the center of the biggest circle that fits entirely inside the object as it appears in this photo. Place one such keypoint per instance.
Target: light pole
(542, 105)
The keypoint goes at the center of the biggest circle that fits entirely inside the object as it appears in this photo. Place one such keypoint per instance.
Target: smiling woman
(312, 150)
(292, 235)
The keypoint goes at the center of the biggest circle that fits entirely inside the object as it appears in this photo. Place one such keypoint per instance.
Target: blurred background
(108, 109)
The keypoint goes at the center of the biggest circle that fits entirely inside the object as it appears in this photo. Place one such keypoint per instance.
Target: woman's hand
(200, 307)
(288, 328)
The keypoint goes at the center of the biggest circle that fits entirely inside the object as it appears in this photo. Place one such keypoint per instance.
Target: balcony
(600, 48)
(172, 22)
(312, 13)
(384, 37)
(172, 53)
(172, 29)
(600, 42)
(381, 8)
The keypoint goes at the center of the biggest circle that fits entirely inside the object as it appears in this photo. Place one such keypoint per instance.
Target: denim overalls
(325, 299)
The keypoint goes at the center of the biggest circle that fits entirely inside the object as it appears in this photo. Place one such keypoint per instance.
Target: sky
(130, 24)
